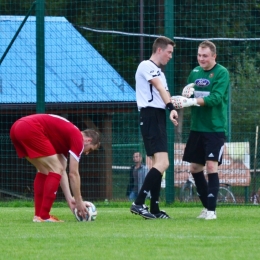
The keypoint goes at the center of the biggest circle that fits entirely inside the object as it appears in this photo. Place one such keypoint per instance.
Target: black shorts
(202, 147)
(153, 130)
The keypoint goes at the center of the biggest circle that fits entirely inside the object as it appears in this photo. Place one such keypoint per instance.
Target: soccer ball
(91, 215)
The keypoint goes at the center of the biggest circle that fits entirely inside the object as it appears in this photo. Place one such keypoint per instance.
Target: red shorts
(30, 141)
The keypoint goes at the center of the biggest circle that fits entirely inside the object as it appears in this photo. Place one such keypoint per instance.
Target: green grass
(117, 234)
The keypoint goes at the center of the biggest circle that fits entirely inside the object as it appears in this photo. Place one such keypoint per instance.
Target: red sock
(38, 186)
(49, 195)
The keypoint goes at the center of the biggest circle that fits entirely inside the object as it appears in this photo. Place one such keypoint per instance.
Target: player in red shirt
(45, 141)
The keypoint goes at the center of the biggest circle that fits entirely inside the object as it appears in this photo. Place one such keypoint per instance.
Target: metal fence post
(169, 32)
(40, 57)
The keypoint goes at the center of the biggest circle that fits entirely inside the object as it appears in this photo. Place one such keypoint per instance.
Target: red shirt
(46, 134)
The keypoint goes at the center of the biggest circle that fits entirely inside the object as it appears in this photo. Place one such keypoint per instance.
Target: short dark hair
(94, 135)
(162, 42)
(210, 45)
(140, 155)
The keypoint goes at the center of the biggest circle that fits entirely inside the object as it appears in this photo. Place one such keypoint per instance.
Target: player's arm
(75, 183)
(156, 82)
(219, 89)
(200, 102)
(64, 183)
(165, 95)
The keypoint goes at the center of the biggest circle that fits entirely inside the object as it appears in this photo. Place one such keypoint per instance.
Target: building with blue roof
(74, 71)
(79, 85)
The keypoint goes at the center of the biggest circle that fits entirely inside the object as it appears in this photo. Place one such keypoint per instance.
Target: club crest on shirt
(202, 82)
(211, 75)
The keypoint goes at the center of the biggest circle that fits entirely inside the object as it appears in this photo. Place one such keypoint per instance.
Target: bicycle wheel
(225, 196)
(187, 192)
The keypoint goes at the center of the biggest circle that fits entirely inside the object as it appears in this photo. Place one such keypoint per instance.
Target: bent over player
(209, 83)
(45, 140)
(153, 98)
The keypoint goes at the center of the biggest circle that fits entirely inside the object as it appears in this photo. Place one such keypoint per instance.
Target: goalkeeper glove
(181, 102)
(188, 90)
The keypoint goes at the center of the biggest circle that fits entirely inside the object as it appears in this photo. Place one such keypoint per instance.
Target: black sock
(150, 180)
(202, 187)
(213, 188)
(155, 194)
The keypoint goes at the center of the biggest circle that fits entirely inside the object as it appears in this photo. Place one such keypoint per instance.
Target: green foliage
(245, 86)
(15, 7)
(207, 19)
(193, 19)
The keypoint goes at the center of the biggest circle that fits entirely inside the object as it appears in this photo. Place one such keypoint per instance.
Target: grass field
(117, 234)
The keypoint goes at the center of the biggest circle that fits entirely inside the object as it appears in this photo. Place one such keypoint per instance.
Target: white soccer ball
(90, 216)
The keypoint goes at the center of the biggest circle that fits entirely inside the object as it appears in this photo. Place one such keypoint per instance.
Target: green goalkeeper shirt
(212, 86)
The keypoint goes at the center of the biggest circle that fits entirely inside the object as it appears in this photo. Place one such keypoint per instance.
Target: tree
(193, 19)
(222, 19)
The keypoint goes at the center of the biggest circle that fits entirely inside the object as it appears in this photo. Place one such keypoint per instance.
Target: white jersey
(146, 94)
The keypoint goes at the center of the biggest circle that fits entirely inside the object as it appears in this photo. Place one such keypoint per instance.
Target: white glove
(181, 102)
(188, 90)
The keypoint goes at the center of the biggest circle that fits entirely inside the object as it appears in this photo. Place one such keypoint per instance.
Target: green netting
(84, 70)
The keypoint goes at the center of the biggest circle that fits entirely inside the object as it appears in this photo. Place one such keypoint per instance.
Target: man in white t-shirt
(153, 98)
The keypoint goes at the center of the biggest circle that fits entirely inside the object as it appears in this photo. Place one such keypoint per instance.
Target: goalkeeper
(207, 94)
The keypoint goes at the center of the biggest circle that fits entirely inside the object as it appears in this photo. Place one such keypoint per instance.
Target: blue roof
(74, 70)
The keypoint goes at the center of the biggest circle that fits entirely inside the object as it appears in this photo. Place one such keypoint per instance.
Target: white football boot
(203, 213)
(211, 215)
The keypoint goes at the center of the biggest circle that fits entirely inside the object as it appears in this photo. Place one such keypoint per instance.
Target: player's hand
(181, 102)
(82, 210)
(173, 117)
(188, 90)
(72, 204)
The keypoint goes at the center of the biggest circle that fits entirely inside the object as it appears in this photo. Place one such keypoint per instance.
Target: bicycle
(188, 192)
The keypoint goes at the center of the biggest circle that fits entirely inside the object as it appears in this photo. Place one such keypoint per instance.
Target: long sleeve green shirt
(212, 86)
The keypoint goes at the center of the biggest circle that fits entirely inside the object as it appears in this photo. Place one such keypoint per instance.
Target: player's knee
(167, 164)
(194, 167)
(211, 166)
(162, 166)
(59, 170)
